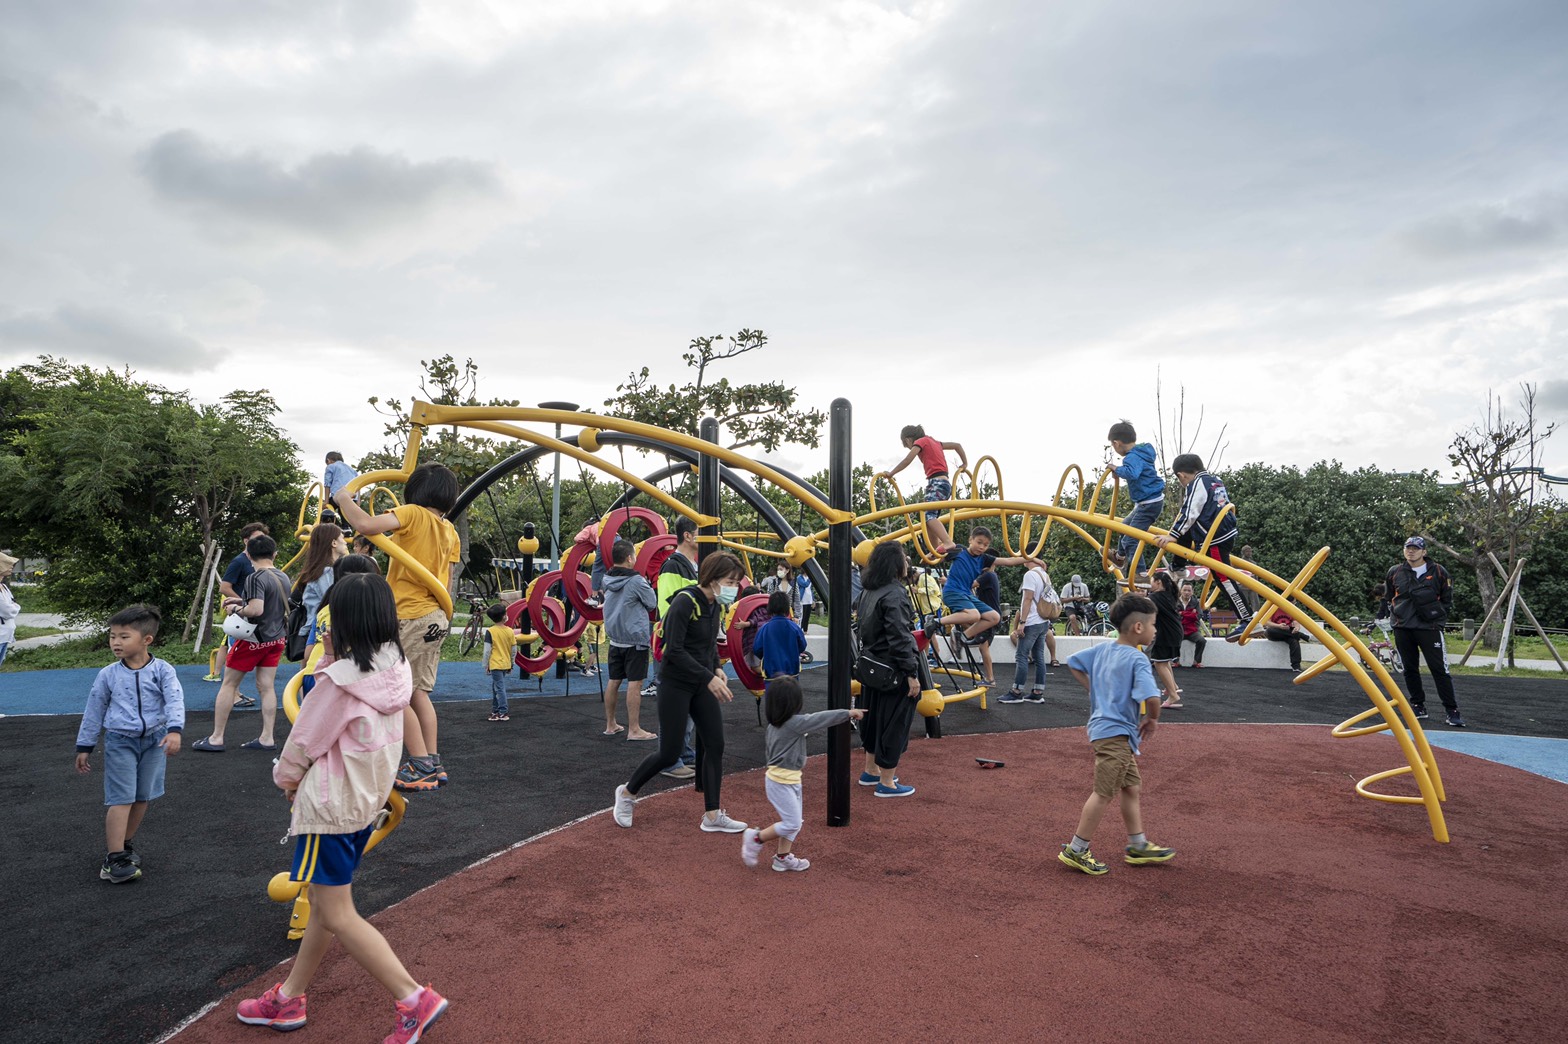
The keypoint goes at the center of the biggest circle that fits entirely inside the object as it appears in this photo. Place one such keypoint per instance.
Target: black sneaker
(1420, 713)
(1455, 719)
(118, 869)
(931, 630)
(1012, 696)
(136, 860)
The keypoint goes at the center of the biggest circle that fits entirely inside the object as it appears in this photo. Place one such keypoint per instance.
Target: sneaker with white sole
(750, 847)
(897, 790)
(871, 779)
(625, 801)
(1036, 696)
(274, 1010)
(679, 770)
(1012, 696)
(790, 861)
(722, 824)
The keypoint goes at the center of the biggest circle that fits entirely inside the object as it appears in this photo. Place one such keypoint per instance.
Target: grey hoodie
(628, 599)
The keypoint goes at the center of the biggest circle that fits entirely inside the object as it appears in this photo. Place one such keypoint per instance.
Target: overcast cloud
(1338, 224)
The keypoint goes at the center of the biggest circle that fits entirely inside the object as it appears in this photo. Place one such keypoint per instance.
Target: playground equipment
(843, 535)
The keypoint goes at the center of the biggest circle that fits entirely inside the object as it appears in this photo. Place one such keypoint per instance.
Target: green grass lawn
(36, 632)
(31, 598)
(1524, 648)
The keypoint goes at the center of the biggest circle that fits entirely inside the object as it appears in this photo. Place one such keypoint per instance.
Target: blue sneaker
(895, 791)
(871, 779)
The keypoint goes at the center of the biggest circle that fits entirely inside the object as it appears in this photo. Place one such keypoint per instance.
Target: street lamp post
(555, 497)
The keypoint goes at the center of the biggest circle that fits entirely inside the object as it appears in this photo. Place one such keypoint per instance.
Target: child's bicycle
(1097, 619)
(1383, 647)
(474, 629)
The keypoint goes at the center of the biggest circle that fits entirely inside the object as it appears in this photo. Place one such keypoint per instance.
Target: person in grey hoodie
(628, 601)
(786, 751)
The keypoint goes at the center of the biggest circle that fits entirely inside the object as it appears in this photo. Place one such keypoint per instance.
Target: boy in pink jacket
(337, 768)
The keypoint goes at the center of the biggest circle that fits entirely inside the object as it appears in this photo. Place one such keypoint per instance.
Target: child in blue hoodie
(138, 707)
(1145, 488)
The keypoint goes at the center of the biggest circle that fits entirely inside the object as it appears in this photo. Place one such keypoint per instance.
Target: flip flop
(1168, 705)
(256, 744)
(615, 731)
(206, 747)
(642, 739)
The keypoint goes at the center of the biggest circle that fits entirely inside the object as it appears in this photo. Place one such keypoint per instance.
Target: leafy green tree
(124, 485)
(763, 414)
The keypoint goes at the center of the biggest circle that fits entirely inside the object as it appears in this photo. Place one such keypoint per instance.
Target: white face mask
(727, 593)
(783, 573)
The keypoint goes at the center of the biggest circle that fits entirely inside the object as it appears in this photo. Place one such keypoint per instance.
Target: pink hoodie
(343, 751)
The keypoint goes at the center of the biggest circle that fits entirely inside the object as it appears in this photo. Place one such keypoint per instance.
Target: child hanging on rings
(786, 749)
(337, 767)
(1200, 506)
(420, 527)
(933, 457)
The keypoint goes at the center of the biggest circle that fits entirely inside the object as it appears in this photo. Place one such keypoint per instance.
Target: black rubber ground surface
(91, 961)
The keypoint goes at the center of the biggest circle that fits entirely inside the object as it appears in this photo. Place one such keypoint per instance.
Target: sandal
(244, 701)
(1056, 663)
(206, 746)
(615, 731)
(256, 744)
(1168, 705)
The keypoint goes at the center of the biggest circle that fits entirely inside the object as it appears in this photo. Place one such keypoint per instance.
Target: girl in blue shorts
(933, 457)
(337, 768)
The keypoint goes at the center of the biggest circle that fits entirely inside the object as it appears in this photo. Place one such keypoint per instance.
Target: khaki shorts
(422, 640)
(1115, 768)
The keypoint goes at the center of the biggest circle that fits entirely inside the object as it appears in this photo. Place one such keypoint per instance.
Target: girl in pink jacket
(337, 768)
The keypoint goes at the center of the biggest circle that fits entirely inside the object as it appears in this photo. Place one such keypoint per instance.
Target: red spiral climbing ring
(617, 518)
(552, 631)
(579, 592)
(541, 663)
(651, 558)
(735, 638)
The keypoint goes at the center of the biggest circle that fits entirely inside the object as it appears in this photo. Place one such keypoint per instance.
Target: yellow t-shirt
(432, 540)
(784, 775)
(503, 641)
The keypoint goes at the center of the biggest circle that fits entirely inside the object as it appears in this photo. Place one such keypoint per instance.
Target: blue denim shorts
(132, 767)
(958, 601)
(329, 859)
(938, 488)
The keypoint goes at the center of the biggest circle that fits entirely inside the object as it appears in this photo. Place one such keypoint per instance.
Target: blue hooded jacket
(132, 703)
(1138, 471)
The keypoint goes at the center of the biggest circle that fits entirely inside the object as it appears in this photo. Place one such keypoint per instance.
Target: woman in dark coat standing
(692, 685)
(886, 626)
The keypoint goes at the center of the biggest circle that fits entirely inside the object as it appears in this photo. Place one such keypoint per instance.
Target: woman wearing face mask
(692, 685)
(777, 581)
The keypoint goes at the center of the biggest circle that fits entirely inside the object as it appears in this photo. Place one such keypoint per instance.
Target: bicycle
(1383, 648)
(1097, 620)
(474, 629)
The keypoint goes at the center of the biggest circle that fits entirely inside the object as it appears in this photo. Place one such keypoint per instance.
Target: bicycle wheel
(1395, 664)
(471, 632)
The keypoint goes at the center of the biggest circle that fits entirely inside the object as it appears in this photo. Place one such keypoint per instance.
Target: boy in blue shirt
(965, 609)
(1145, 487)
(1120, 681)
(337, 475)
(780, 641)
(138, 707)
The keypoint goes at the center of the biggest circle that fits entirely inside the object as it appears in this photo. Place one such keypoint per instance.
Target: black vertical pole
(840, 467)
(707, 487)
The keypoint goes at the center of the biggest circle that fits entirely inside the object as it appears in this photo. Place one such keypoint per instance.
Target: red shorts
(247, 656)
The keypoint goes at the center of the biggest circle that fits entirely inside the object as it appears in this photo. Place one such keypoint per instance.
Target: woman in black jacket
(1418, 595)
(692, 685)
(886, 626)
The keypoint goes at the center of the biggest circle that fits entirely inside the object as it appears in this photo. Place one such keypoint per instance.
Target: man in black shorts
(628, 599)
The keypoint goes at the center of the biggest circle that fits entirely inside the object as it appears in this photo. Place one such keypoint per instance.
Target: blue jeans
(1142, 516)
(1031, 646)
(498, 691)
(3, 647)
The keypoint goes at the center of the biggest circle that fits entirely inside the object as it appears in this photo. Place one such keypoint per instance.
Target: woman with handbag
(888, 668)
(1418, 595)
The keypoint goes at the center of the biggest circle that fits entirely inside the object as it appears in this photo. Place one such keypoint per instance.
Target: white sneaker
(624, 803)
(790, 861)
(750, 847)
(722, 824)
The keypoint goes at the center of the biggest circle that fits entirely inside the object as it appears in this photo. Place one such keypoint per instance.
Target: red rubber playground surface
(1294, 911)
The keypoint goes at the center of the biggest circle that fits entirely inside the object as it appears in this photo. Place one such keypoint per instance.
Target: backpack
(295, 622)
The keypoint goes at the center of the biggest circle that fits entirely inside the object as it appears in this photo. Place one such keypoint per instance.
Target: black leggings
(1430, 645)
(677, 702)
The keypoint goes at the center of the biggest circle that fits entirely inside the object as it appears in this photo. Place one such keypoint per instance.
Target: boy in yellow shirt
(500, 643)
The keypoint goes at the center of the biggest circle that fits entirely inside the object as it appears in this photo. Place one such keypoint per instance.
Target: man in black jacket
(1418, 596)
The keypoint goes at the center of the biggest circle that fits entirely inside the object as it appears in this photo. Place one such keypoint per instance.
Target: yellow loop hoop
(1378, 777)
(1348, 729)
(914, 520)
(1110, 512)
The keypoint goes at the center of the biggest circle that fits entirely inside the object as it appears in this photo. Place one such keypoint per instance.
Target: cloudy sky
(1338, 224)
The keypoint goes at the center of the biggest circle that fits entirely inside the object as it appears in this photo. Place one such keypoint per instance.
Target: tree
(123, 485)
(1499, 502)
(764, 415)
(1177, 442)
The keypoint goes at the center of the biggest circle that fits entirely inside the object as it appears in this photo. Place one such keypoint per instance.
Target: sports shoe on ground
(1037, 696)
(897, 790)
(871, 779)
(722, 824)
(1420, 713)
(413, 778)
(1084, 861)
(790, 861)
(274, 1010)
(1118, 558)
(118, 869)
(679, 770)
(651, 689)
(750, 847)
(494, 716)
(625, 802)
(1455, 719)
(1012, 696)
(136, 860)
(414, 1019)
(435, 760)
(1139, 855)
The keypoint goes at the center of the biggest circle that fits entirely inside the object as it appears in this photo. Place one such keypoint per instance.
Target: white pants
(787, 801)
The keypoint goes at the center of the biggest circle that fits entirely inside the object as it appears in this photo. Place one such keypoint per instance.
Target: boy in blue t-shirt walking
(966, 610)
(1145, 487)
(780, 641)
(1120, 682)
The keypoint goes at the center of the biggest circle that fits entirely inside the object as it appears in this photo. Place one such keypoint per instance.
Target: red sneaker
(274, 1010)
(414, 1019)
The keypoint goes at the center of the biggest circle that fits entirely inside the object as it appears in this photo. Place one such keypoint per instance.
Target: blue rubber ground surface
(1538, 754)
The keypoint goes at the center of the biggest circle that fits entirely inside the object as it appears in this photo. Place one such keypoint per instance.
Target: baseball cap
(1416, 542)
